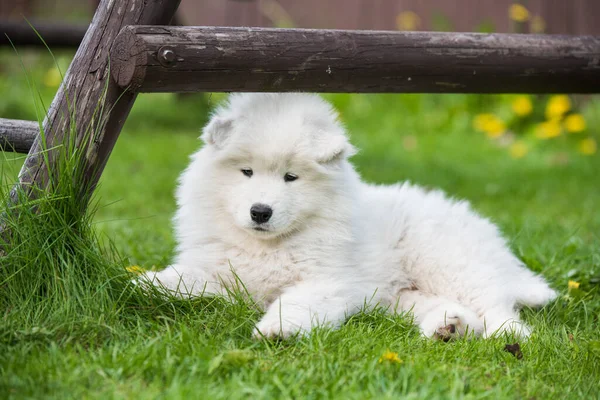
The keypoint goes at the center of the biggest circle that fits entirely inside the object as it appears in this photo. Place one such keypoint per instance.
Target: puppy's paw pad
(445, 333)
(446, 323)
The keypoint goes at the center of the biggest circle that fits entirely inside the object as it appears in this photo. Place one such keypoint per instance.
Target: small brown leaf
(514, 349)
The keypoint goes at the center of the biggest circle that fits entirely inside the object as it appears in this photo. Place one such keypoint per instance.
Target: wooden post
(185, 59)
(17, 135)
(89, 99)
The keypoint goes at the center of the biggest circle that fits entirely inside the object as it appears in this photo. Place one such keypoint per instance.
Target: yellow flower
(522, 106)
(490, 124)
(547, 130)
(557, 106)
(480, 121)
(574, 123)
(573, 285)
(52, 78)
(408, 21)
(518, 13)
(391, 357)
(538, 24)
(588, 146)
(135, 269)
(518, 149)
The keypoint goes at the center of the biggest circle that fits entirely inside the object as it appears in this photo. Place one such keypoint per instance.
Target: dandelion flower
(518, 13)
(390, 357)
(522, 106)
(573, 285)
(480, 121)
(518, 149)
(490, 124)
(588, 146)
(574, 123)
(135, 269)
(548, 130)
(408, 21)
(557, 106)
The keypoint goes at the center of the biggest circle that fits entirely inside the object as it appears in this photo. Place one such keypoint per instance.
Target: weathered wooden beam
(54, 34)
(17, 135)
(184, 59)
(89, 108)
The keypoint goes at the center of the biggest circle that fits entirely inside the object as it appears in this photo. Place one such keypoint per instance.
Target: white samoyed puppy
(272, 200)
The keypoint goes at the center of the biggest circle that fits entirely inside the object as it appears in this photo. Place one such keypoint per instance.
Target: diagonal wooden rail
(221, 59)
(89, 108)
(88, 104)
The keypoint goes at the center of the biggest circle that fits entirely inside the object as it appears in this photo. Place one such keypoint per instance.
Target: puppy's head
(279, 160)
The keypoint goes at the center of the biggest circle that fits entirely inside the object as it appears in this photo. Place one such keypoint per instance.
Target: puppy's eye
(247, 171)
(290, 177)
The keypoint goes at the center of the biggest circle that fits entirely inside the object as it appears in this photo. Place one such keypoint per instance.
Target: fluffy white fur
(334, 243)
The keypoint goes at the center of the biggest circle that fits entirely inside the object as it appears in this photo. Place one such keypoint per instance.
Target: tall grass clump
(56, 278)
(54, 270)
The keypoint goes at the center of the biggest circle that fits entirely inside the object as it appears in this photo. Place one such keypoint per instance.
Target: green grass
(73, 327)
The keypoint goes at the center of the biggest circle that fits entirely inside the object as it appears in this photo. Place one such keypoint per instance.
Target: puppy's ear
(217, 131)
(332, 148)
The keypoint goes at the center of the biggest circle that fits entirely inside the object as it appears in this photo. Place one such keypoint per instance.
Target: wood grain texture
(89, 108)
(17, 135)
(267, 59)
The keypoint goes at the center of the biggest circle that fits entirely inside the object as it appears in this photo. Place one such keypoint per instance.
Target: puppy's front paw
(499, 327)
(179, 282)
(273, 326)
(168, 278)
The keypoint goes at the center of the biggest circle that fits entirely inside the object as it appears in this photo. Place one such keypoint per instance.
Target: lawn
(73, 328)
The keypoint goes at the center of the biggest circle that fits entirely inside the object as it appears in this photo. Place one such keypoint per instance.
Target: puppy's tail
(534, 292)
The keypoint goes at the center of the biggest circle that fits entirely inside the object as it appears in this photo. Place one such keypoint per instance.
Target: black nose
(260, 213)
